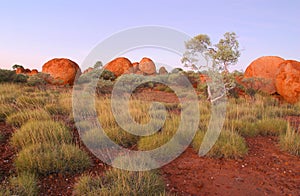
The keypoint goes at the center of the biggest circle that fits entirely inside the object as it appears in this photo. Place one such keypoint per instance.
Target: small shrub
(21, 117)
(34, 132)
(271, 126)
(120, 182)
(121, 137)
(290, 141)
(46, 158)
(23, 184)
(11, 76)
(228, 145)
(245, 128)
(94, 140)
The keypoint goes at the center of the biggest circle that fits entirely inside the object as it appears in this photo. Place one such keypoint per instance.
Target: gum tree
(201, 54)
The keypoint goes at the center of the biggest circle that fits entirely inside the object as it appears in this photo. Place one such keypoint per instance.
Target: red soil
(264, 171)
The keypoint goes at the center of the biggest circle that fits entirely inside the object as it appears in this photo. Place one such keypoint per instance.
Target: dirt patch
(8, 153)
(265, 170)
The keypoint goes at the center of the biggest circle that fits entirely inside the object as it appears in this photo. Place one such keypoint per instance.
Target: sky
(33, 32)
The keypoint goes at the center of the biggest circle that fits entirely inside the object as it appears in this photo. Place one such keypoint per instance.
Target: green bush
(228, 145)
(46, 158)
(19, 118)
(36, 131)
(36, 80)
(11, 76)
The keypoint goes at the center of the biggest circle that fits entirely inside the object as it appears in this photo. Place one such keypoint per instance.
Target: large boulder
(118, 66)
(135, 67)
(62, 71)
(288, 81)
(262, 73)
(147, 66)
(33, 72)
(20, 70)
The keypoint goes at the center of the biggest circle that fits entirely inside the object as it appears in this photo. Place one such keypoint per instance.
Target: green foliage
(47, 158)
(98, 65)
(37, 80)
(17, 66)
(11, 76)
(34, 132)
(227, 50)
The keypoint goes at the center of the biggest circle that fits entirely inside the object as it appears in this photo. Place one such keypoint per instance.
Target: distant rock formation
(118, 66)
(288, 81)
(21, 70)
(62, 71)
(162, 71)
(88, 70)
(33, 72)
(263, 72)
(147, 66)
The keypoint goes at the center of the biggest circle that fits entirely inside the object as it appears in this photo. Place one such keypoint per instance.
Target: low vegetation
(23, 184)
(35, 132)
(46, 158)
(290, 141)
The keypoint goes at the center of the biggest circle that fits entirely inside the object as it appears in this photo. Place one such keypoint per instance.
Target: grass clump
(26, 101)
(19, 118)
(34, 132)
(46, 158)
(229, 145)
(5, 110)
(271, 126)
(55, 109)
(24, 184)
(290, 141)
(120, 182)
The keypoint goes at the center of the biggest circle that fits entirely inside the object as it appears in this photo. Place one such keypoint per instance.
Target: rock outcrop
(162, 71)
(262, 73)
(20, 70)
(288, 81)
(118, 66)
(147, 66)
(88, 70)
(62, 71)
(33, 72)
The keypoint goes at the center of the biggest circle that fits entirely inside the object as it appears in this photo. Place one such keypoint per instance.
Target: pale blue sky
(33, 32)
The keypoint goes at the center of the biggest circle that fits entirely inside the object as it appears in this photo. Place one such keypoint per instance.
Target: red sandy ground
(266, 170)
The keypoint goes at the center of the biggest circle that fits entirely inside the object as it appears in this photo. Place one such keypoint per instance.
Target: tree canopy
(226, 52)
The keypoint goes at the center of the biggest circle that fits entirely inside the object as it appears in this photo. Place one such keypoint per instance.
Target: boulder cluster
(272, 74)
(21, 70)
(123, 65)
(63, 71)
